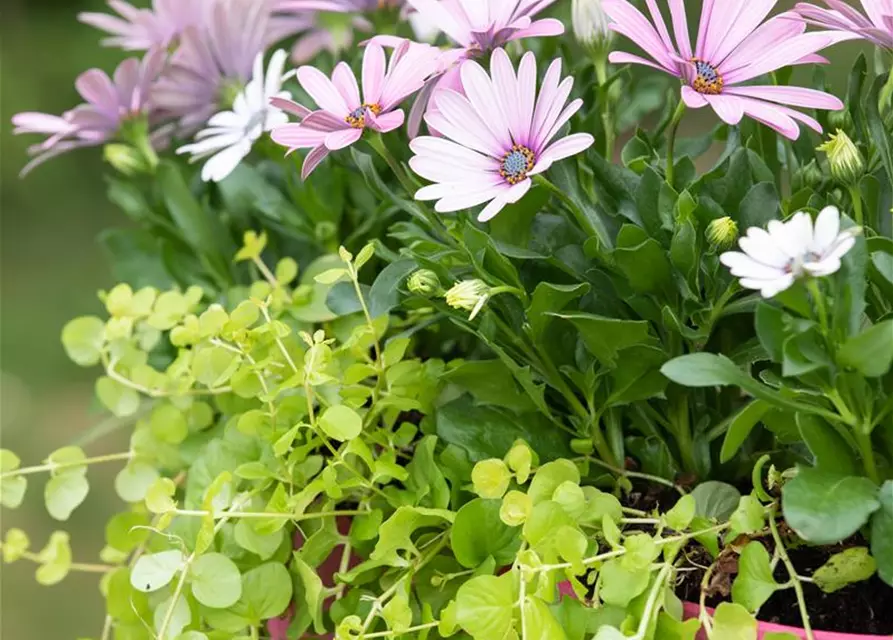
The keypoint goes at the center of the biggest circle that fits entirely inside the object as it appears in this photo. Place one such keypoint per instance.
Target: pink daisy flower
(214, 62)
(876, 27)
(497, 137)
(343, 116)
(110, 102)
(734, 46)
(142, 29)
(476, 26)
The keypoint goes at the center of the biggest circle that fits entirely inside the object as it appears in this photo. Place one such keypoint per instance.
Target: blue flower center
(707, 78)
(357, 117)
(516, 164)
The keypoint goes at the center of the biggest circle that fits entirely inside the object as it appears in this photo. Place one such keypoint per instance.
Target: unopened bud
(847, 163)
(809, 176)
(470, 295)
(722, 233)
(425, 283)
(590, 23)
(125, 159)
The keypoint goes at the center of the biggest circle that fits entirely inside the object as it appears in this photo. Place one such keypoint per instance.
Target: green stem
(390, 634)
(819, 299)
(377, 143)
(856, 197)
(584, 222)
(601, 444)
(235, 515)
(792, 572)
(863, 440)
(55, 466)
(637, 474)
(671, 142)
(601, 73)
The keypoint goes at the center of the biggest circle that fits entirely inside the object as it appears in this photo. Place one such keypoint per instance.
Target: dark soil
(866, 607)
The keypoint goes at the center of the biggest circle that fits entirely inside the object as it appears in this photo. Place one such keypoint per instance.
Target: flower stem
(601, 73)
(856, 197)
(819, 299)
(584, 222)
(671, 142)
(795, 583)
(377, 143)
(863, 440)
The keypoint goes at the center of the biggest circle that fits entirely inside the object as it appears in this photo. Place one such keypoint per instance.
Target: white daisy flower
(775, 258)
(230, 135)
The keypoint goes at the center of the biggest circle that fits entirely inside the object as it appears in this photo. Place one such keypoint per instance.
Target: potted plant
(448, 369)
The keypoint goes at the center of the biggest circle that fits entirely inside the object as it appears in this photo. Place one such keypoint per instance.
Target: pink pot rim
(692, 610)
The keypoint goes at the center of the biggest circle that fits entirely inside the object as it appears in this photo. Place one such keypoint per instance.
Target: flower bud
(425, 283)
(722, 233)
(470, 295)
(810, 176)
(125, 159)
(590, 23)
(847, 163)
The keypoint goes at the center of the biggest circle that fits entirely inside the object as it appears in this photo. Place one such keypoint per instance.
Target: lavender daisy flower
(214, 62)
(876, 27)
(497, 137)
(142, 29)
(231, 134)
(343, 116)
(476, 26)
(110, 104)
(734, 46)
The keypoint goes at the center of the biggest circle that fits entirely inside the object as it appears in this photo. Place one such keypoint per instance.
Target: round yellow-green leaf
(134, 480)
(154, 571)
(55, 559)
(15, 544)
(216, 581)
(64, 493)
(516, 507)
(169, 424)
(491, 478)
(117, 398)
(341, 423)
(83, 339)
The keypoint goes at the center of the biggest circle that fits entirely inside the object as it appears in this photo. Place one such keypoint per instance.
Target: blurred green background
(51, 268)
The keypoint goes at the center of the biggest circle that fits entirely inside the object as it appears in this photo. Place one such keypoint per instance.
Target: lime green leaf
(397, 613)
(15, 544)
(619, 585)
(520, 460)
(491, 478)
(542, 523)
(134, 480)
(601, 505)
(341, 423)
(313, 592)
(122, 401)
(395, 534)
(264, 545)
(216, 581)
(330, 276)
(154, 571)
(749, 517)
(252, 246)
(123, 532)
(214, 366)
(12, 491)
(178, 619)
(571, 545)
(8, 461)
(266, 592)
(121, 600)
(485, 606)
(733, 622)
(64, 493)
(159, 496)
(541, 624)
(515, 509)
(572, 499)
(83, 339)
(478, 533)
(549, 476)
(682, 513)
(871, 352)
(67, 460)
(55, 559)
(641, 551)
(847, 567)
(824, 508)
(754, 584)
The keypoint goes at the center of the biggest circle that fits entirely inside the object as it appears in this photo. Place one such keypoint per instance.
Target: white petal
(792, 237)
(827, 226)
(759, 245)
(743, 266)
(218, 167)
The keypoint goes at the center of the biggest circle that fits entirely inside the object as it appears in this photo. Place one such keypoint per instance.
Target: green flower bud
(469, 295)
(847, 163)
(722, 233)
(425, 283)
(125, 159)
(809, 176)
(590, 23)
